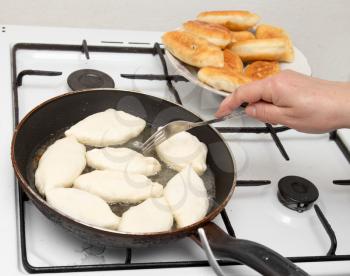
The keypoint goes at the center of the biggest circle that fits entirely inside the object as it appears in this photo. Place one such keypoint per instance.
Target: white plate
(299, 64)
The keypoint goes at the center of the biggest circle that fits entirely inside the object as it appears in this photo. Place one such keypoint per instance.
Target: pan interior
(119, 208)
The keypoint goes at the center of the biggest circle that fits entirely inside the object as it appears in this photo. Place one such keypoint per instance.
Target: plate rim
(182, 69)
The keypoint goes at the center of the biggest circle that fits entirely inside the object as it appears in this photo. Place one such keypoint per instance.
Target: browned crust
(264, 31)
(272, 49)
(193, 50)
(269, 31)
(241, 36)
(202, 28)
(222, 78)
(232, 61)
(262, 69)
(234, 20)
(289, 55)
(225, 13)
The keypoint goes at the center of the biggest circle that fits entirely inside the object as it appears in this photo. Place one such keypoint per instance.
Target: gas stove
(287, 196)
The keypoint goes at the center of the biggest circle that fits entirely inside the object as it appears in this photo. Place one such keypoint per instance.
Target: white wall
(319, 27)
(161, 14)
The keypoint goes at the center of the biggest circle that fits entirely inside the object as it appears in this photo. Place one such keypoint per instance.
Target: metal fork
(170, 129)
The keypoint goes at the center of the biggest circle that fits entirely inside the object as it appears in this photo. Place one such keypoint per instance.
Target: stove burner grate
(89, 78)
(296, 193)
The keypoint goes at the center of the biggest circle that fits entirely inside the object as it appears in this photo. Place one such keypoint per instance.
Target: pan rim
(183, 230)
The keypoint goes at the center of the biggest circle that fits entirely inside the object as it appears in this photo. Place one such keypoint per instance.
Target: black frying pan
(63, 111)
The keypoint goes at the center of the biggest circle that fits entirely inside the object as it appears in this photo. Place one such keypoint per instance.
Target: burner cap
(89, 78)
(296, 193)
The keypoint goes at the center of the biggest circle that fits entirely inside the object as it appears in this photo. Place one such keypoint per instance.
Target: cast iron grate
(128, 264)
(335, 137)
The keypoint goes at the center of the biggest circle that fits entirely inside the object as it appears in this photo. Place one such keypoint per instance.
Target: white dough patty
(183, 149)
(122, 159)
(110, 127)
(187, 197)
(116, 186)
(60, 165)
(152, 215)
(83, 206)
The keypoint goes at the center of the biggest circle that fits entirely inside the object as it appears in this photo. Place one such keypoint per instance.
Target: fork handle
(235, 114)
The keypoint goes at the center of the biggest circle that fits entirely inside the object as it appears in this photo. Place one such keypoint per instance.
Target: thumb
(266, 112)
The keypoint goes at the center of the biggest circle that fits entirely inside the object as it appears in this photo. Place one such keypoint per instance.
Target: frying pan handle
(258, 257)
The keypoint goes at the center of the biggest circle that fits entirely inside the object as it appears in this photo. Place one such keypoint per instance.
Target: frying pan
(65, 110)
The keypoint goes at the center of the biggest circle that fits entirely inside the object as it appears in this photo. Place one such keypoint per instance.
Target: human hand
(304, 103)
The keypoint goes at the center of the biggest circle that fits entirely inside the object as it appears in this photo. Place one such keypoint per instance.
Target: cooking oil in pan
(119, 208)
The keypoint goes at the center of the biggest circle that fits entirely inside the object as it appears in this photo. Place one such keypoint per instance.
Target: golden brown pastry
(222, 78)
(241, 36)
(234, 20)
(213, 33)
(232, 61)
(262, 69)
(193, 50)
(269, 31)
(274, 49)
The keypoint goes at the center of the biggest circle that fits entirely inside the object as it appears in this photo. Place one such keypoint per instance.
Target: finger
(266, 112)
(227, 105)
(249, 93)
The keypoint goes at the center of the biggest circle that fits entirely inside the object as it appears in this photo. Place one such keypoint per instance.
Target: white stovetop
(255, 212)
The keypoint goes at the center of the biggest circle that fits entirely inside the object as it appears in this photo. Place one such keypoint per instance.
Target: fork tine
(155, 142)
(159, 139)
(147, 149)
(151, 139)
